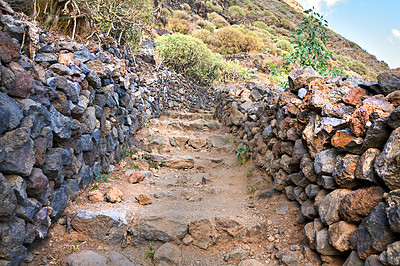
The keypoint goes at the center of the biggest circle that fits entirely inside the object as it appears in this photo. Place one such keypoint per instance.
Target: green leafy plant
(189, 56)
(310, 43)
(252, 189)
(150, 251)
(260, 25)
(179, 25)
(358, 67)
(244, 154)
(233, 71)
(236, 11)
(285, 46)
(73, 248)
(181, 14)
(203, 35)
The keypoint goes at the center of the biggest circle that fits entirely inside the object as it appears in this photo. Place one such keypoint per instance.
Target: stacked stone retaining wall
(332, 145)
(65, 116)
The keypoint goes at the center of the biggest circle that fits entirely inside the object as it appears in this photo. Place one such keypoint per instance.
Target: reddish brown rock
(337, 110)
(37, 183)
(355, 96)
(114, 195)
(315, 141)
(339, 235)
(378, 105)
(60, 103)
(67, 59)
(9, 50)
(372, 108)
(96, 196)
(23, 87)
(358, 122)
(40, 150)
(394, 98)
(143, 199)
(318, 99)
(359, 203)
(344, 140)
(135, 177)
(344, 171)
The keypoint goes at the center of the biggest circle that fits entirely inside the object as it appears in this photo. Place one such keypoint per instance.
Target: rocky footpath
(66, 112)
(331, 144)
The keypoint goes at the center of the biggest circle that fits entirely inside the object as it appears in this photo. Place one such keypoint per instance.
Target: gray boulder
(386, 164)
(374, 234)
(168, 255)
(19, 154)
(107, 225)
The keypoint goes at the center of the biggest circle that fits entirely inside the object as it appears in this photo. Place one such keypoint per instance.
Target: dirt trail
(213, 211)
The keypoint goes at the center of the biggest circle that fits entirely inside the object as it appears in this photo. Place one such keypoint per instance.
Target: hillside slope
(280, 19)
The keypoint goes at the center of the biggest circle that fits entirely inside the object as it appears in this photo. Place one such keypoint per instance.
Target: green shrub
(186, 6)
(270, 66)
(218, 25)
(203, 35)
(212, 15)
(189, 56)
(285, 46)
(232, 2)
(260, 25)
(236, 11)
(344, 60)
(221, 22)
(233, 71)
(252, 14)
(218, 8)
(272, 30)
(181, 14)
(179, 25)
(210, 28)
(273, 18)
(287, 24)
(166, 12)
(203, 23)
(267, 13)
(283, 31)
(209, 4)
(282, 10)
(231, 40)
(250, 4)
(372, 75)
(358, 67)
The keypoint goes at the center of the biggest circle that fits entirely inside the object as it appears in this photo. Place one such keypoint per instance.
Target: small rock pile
(64, 115)
(332, 145)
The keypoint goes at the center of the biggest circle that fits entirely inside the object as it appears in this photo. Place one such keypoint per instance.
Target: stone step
(206, 115)
(197, 125)
(190, 142)
(132, 227)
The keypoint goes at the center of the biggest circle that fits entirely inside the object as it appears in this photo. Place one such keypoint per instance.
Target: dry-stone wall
(63, 118)
(331, 144)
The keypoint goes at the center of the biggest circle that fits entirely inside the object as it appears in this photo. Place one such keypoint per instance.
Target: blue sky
(372, 24)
